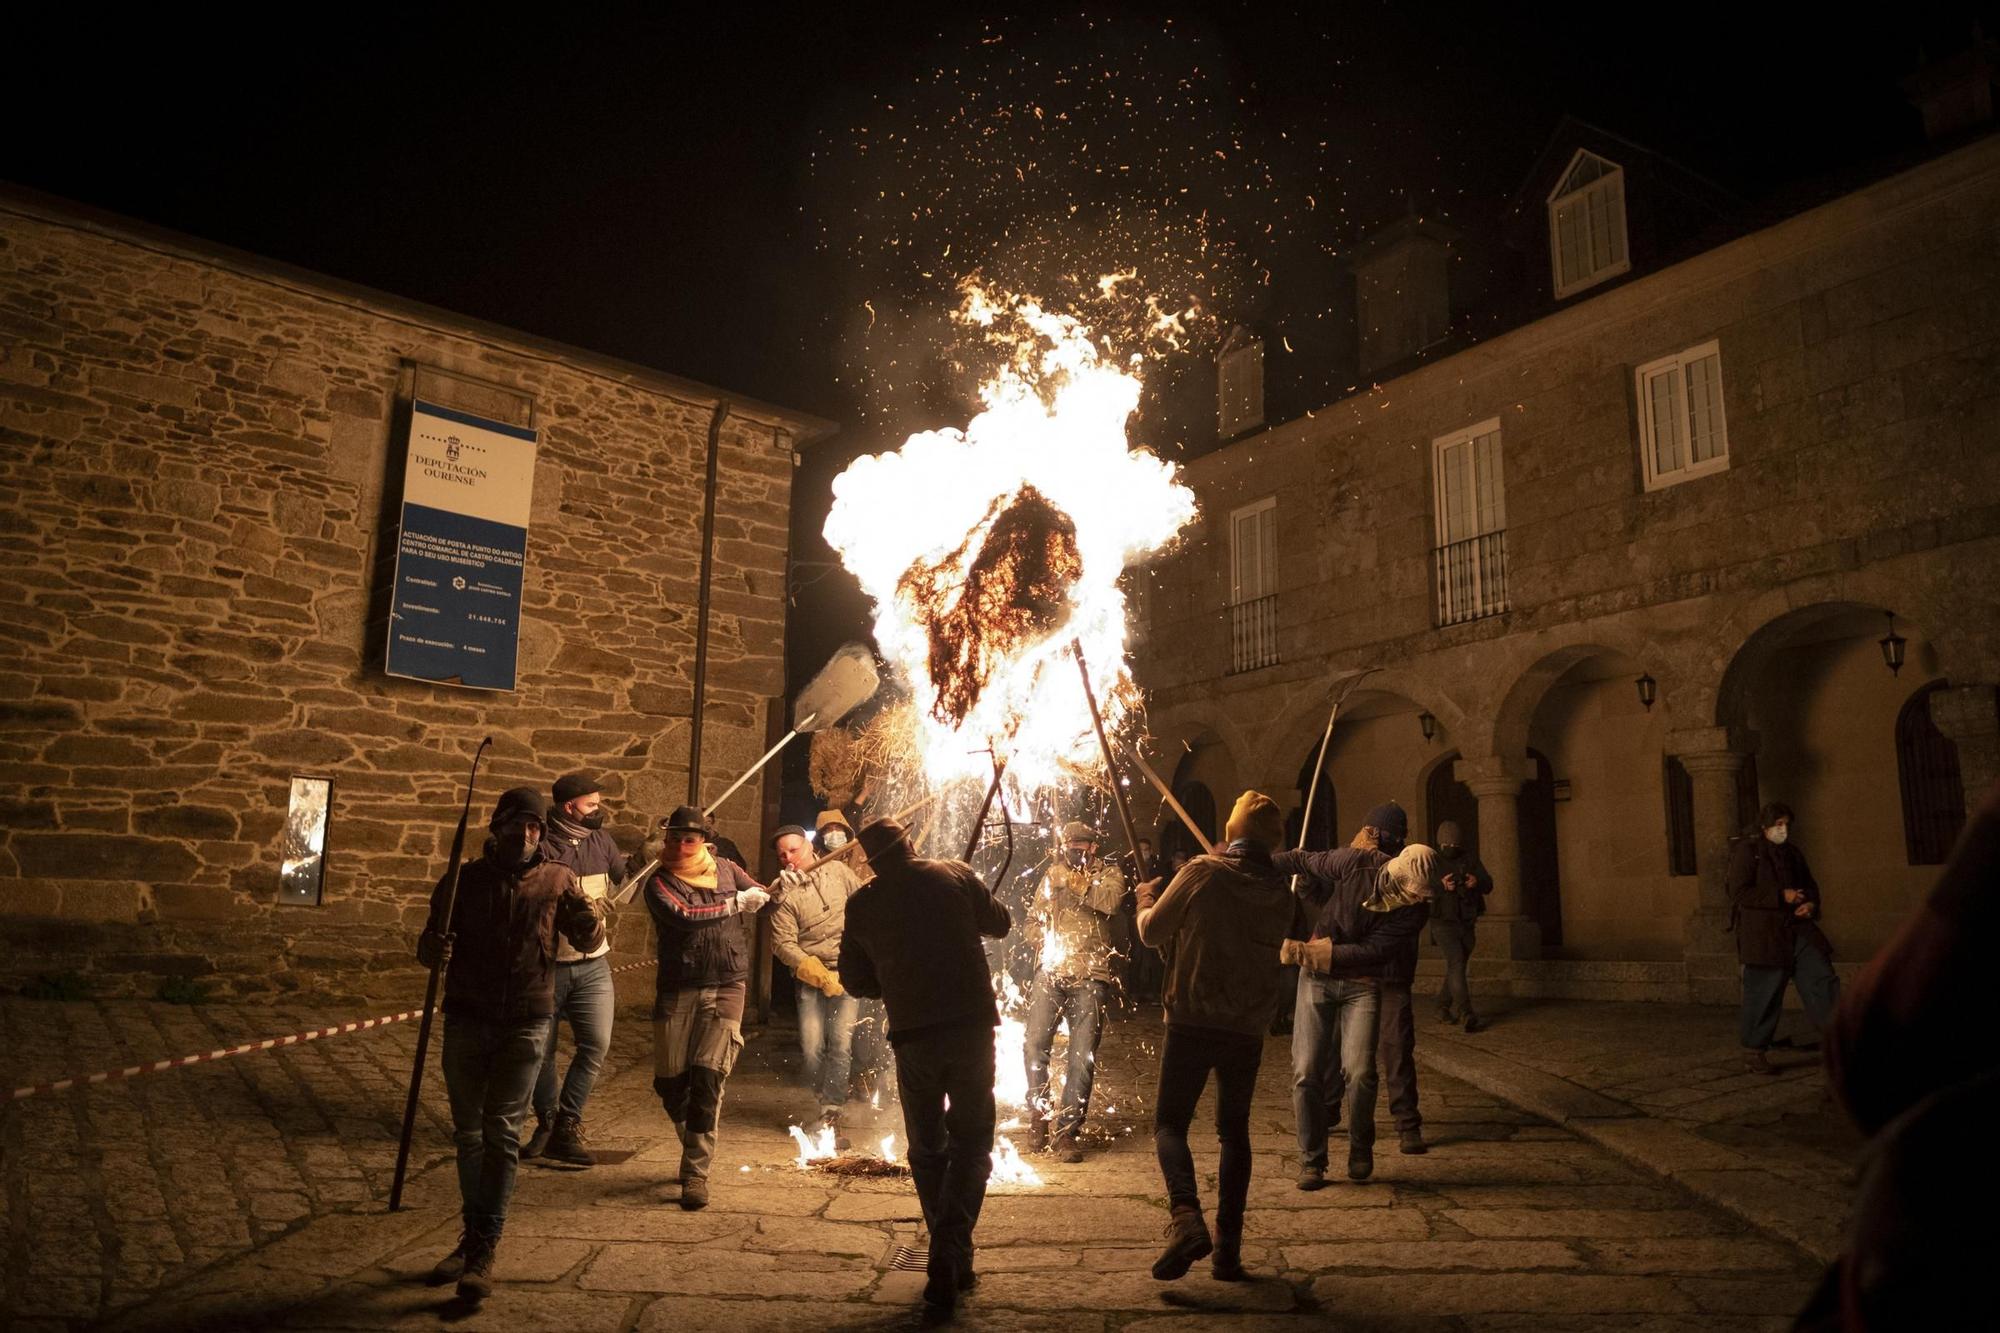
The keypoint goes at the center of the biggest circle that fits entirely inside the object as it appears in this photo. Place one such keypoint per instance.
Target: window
(1239, 399)
(1682, 433)
(1471, 524)
(1933, 789)
(1587, 224)
(1253, 585)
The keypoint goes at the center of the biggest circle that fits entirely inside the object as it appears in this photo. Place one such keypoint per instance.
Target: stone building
(1628, 568)
(202, 454)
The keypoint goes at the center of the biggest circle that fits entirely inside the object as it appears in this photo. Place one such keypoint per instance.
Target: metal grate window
(1933, 789)
(1472, 578)
(1253, 634)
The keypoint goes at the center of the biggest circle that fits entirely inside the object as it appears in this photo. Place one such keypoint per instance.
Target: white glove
(790, 881)
(751, 899)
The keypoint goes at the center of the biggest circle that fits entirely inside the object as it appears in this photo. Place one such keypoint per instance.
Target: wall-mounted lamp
(1428, 723)
(1892, 647)
(1649, 690)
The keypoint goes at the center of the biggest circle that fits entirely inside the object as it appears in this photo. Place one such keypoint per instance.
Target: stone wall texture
(194, 448)
(1860, 356)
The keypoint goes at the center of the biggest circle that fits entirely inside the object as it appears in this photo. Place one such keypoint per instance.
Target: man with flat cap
(1076, 957)
(806, 924)
(585, 994)
(499, 995)
(912, 938)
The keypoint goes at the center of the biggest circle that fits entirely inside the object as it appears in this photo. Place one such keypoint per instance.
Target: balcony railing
(1472, 578)
(1253, 634)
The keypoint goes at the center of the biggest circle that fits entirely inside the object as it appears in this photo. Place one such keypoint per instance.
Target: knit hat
(1390, 819)
(792, 830)
(518, 801)
(686, 819)
(1404, 880)
(1078, 831)
(1256, 818)
(831, 817)
(572, 785)
(1449, 835)
(884, 840)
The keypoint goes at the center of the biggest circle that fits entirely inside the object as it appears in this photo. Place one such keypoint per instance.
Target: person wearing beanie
(1346, 1037)
(499, 996)
(697, 901)
(808, 914)
(912, 939)
(1220, 924)
(1070, 924)
(585, 995)
(1459, 887)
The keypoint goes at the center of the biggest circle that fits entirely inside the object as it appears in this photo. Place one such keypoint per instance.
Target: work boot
(1754, 1061)
(539, 1140)
(1187, 1241)
(1474, 1023)
(694, 1193)
(1226, 1264)
(1312, 1178)
(1447, 1016)
(1065, 1148)
(1360, 1161)
(476, 1282)
(566, 1144)
(1038, 1132)
(1412, 1143)
(449, 1268)
(940, 1296)
(830, 1117)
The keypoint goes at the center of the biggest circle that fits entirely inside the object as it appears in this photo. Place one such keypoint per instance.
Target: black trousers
(1396, 1056)
(951, 1146)
(1189, 1055)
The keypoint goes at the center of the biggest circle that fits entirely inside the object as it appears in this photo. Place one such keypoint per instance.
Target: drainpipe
(701, 605)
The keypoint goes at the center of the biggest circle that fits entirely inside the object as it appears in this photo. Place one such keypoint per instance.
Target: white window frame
(1642, 383)
(1481, 565)
(1267, 543)
(1490, 426)
(1239, 386)
(1599, 193)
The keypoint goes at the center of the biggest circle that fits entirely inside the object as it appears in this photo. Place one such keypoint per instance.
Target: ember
(1015, 592)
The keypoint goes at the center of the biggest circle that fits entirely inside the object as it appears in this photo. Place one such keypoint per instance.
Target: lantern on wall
(1892, 647)
(1428, 723)
(1649, 690)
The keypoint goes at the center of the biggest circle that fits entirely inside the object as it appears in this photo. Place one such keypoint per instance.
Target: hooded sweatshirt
(1219, 925)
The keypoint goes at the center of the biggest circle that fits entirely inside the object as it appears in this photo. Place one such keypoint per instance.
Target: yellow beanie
(1256, 817)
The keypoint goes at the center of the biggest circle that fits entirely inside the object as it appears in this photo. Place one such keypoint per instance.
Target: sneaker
(539, 1140)
(452, 1266)
(565, 1145)
(1066, 1148)
(694, 1193)
(830, 1117)
(1755, 1063)
(1226, 1264)
(1360, 1161)
(1187, 1241)
(1474, 1024)
(1312, 1178)
(476, 1282)
(1412, 1143)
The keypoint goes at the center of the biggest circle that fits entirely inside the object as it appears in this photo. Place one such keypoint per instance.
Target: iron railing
(1472, 578)
(1253, 634)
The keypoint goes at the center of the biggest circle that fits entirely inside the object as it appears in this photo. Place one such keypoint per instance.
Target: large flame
(988, 551)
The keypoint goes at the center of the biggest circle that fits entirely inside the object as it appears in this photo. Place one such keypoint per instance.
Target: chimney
(1402, 299)
(1955, 93)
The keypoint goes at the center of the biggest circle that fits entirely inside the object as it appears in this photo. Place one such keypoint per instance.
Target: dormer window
(1587, 224)
(1239, 390)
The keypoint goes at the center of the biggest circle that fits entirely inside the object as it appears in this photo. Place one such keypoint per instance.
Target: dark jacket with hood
(1461, 906)
(1380, 946)
(696, 930)
(1766, 925)
(505, 922)
(912, 940)
(588, 852)
(1219, 926)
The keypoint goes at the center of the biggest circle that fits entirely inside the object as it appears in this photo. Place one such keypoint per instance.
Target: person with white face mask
(1775, 909)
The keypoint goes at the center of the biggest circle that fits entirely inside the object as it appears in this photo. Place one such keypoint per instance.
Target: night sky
(782, 208)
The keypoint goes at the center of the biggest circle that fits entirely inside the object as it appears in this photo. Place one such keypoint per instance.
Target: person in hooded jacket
(1219, 925)
(697, 900)
(1071, 938)
(1774, 903)
(1458, 898)
(807, 918)
(499, 999)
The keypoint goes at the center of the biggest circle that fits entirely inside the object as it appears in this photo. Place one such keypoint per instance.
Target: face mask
(593, 820)
(835, 839)
(1778, 834)
(517, 848)
(1448, 851)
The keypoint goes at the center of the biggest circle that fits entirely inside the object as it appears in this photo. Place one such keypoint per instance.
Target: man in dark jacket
(1220, 925)
(912, 939)
(499, 994)
(585, 994)
(1775, 912)
(1458, 896)
(1367, 1003)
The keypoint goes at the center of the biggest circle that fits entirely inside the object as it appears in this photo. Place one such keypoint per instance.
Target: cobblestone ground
(251, 1194)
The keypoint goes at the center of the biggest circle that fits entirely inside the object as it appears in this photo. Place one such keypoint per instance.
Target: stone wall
(195, 448)
(1860, 356)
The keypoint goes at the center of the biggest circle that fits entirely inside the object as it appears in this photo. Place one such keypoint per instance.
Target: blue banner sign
(455, 615)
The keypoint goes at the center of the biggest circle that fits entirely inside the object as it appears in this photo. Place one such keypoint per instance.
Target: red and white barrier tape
(248, 1048)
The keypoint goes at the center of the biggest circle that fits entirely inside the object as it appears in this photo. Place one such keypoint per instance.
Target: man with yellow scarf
(695, 899)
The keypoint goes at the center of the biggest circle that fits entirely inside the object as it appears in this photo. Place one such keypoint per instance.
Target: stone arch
(1747, 659)
(1298, 725)
(1516, 711)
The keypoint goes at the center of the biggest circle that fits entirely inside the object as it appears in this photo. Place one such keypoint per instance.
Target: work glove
(1149, 893)
(432, 946)
(1313, 955)
(818, 975)
(789, 881)
(751, 900)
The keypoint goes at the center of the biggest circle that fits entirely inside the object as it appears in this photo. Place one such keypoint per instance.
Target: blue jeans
(489, 1075)
(587, 997)
(1081, 1005)
(826, 1039)
(1764, 994)
(1334, 1027)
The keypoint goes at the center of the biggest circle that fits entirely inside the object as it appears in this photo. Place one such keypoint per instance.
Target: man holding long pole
(499, 998)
